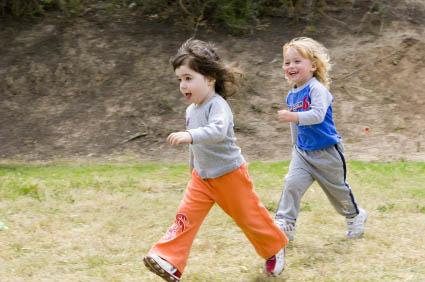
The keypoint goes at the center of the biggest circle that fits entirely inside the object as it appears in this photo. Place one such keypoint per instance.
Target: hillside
(82, 88)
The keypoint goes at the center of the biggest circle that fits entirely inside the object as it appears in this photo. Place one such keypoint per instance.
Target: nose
(182, 85)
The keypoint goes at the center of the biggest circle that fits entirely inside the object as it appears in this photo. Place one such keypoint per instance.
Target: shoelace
(286, 227)
(353, 223)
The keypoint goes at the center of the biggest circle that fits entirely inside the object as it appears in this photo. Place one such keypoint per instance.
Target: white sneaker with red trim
(275, 265)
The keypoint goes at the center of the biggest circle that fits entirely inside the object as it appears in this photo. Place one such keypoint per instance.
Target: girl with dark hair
(219, 171)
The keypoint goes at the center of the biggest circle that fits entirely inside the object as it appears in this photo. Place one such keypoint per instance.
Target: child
(219, 172)
(318, 152)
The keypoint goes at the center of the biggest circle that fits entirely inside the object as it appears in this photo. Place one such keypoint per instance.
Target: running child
(318, 153)
(218, 169)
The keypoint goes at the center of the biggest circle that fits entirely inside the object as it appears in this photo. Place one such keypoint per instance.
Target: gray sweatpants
(328, 168)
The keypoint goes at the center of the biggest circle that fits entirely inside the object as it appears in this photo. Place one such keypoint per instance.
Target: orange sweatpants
(235, 194)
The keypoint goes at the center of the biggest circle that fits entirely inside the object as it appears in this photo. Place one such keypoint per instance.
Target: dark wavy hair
(201, 56)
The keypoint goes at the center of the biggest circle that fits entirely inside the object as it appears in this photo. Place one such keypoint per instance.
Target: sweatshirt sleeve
(321, 99)
(218, 122)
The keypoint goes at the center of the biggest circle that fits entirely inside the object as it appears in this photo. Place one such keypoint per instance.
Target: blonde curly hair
(316, 53)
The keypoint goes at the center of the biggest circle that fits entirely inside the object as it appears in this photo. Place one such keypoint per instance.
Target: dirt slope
(83, 88)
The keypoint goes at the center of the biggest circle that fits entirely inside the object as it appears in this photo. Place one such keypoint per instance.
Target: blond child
(318, 153)
(219, 171)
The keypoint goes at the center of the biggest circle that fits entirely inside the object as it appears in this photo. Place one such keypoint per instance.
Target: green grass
(95, 222)
(38, 180)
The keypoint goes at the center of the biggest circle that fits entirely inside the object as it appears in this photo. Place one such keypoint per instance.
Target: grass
(95, 222)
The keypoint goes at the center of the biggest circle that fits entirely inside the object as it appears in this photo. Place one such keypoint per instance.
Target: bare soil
(100, 86)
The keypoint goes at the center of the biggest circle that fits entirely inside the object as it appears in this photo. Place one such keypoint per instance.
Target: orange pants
(235, 194)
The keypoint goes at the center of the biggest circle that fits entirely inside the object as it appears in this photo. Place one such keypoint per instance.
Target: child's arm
(292, 118)
(287, 116)
(181, 137)
(321, 99)
(216, 130)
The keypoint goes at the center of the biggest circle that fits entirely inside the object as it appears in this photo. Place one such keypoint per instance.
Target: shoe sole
(154, 267)
(272, 274)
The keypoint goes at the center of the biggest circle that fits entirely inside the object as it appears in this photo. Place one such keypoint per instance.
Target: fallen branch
(132, 137)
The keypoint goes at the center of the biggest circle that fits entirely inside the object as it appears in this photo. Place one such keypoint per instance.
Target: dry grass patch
(95, 222)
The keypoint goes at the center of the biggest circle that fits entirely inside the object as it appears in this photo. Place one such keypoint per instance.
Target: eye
(286, 64)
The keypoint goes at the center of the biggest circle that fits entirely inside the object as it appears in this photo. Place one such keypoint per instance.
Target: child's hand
(182, 137)
(287, 116)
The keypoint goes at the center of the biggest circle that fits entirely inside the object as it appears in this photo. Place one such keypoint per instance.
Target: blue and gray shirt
(315, 129)
(213, 151)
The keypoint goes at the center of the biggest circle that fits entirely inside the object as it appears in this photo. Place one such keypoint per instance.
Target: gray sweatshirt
(213, 151)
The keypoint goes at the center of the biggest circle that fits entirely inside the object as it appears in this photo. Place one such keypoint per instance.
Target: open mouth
(187, 96)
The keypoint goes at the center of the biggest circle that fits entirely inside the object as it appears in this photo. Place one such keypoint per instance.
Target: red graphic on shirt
(306, 103)
(180, 224)
(300, 105)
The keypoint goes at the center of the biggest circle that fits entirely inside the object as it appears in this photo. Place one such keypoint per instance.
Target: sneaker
(162, 268)
(275, 265)
(287, 227)
(355, 225)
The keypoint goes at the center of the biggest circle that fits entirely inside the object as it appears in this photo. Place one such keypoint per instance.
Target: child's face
(298, 69)
(195, 87)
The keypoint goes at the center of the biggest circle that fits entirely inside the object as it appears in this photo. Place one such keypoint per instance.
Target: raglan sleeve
(216, 129)
(321, 99)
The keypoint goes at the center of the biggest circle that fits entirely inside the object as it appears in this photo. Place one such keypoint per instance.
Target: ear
(211, 81)
(313, 67)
